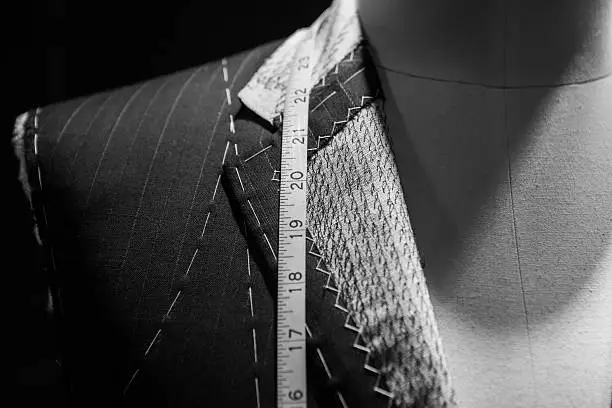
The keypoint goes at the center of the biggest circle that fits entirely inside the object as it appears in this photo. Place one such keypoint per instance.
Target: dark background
(62, 49)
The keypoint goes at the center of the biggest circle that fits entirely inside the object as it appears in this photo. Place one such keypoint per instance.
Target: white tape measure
(291, 301)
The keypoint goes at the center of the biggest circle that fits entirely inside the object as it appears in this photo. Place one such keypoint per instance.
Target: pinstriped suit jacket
(156, 211)
(163, 280)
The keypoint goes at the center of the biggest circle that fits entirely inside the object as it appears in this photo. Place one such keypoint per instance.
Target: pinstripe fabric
(130, 178)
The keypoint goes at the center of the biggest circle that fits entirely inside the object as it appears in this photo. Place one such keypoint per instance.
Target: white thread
(224, 63)
(191, 263)
(205, 224)
(216, 186)
(255, 358)
(354, 75)
(270, 245)
(232, 127)
(153, 341)
(239, 178)
(326, 368)
(259, 152)
(225, 152)
(323, 101)
(253, 209)
(257, 391)
(127, 387)
(173, 303)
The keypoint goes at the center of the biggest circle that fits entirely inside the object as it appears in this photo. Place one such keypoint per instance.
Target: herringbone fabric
(357, 211)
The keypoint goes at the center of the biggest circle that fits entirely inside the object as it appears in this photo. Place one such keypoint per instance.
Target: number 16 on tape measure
(291, 300)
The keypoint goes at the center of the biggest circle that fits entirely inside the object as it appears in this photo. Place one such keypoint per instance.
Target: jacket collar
(337, 33)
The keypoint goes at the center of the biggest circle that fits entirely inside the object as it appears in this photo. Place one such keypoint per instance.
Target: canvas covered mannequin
(500, 115)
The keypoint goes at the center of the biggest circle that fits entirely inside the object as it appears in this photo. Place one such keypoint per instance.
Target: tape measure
(291, 300)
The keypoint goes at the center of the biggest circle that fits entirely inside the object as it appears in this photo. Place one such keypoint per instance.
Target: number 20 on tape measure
(291, 300)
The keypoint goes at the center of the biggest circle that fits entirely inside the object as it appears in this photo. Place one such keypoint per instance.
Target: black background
(62, 49)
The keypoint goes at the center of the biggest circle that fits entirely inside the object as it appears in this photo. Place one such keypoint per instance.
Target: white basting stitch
(353, 76)
(255, 358)
(342, 401)
(254, 213)
(381, 390)
(216, 186)
(318, 255)
(348, 115)
(257, 391)
(228, 95)
(153, 341)
(329, 287)
(326, 368)
(127, 387)
(350, 326)
(363, 98)
(173, 303)
(259, 152)
(270, 245)
(239, 178)
(205, 224)
(232, 127)
(339, 306)
(36, 131)
(224, 63)
(225, 152)
(254, 346)
(357, 108)
(195, 253)
(251, 296)
(191, 263)
(274, 175)
(324, 363)
(321, 83)
(236, 148)
(323, 101)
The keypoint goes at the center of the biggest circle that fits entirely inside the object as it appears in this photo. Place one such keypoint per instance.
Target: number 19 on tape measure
(291, 300)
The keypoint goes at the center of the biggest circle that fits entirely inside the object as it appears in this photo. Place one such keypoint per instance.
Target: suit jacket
(156, 211)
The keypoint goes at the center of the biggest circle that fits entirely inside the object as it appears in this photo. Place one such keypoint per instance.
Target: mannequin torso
(500, 121)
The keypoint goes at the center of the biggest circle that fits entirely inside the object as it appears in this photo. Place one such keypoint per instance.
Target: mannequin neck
(491, 42)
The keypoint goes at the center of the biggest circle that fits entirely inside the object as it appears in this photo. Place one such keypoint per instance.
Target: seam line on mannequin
(516, 244)
(537, 86)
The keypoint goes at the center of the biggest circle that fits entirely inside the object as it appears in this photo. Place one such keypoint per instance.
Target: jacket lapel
(336, 353)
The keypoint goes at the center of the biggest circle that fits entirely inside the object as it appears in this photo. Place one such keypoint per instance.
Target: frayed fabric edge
(18, 140)
(23, 124)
